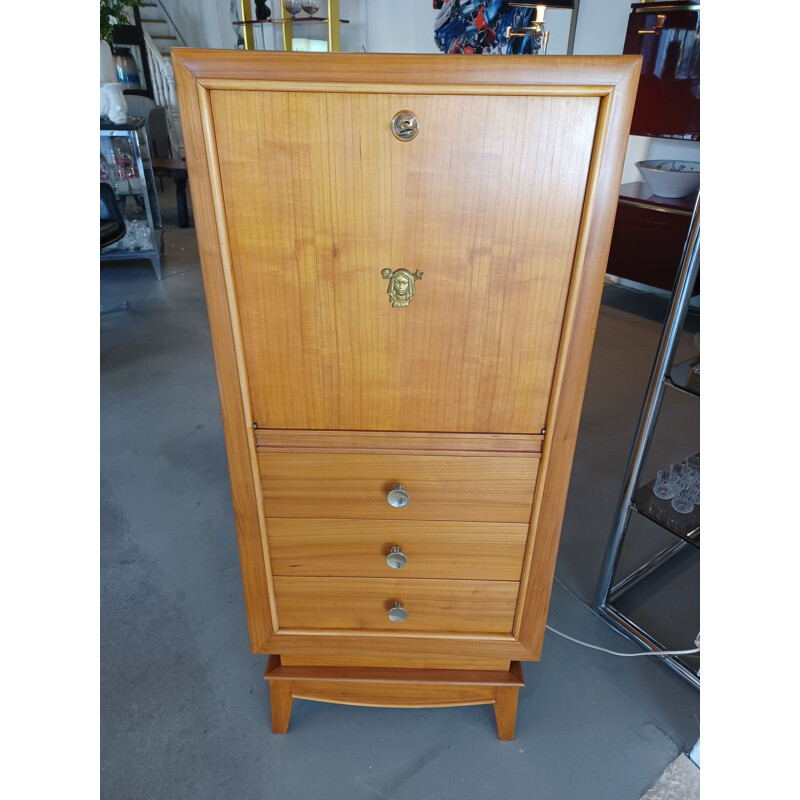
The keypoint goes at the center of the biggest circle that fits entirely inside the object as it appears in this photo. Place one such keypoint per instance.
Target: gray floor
(184, 709)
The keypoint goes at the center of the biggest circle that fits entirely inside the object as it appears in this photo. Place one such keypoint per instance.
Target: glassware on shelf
(310, 7)
(142, 236)
(134, 209)
(293, 7)
(693, 468)
(666, 484)
(693, 464)
(683, 472)
(683, 501)
(680, 483)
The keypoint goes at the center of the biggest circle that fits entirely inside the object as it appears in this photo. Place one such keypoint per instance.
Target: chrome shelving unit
(127, 166)
(639, 499)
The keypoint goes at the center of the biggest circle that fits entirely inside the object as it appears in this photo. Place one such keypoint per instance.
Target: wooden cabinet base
(395, 688)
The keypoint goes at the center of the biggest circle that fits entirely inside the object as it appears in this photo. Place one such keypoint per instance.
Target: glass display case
(125, 164)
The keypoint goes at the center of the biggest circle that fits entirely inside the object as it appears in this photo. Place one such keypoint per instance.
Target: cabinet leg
(505, 711)
(280, 699)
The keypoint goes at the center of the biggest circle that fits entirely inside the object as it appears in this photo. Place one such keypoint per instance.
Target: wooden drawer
(358, 548)
(474, 488)
(363, 604)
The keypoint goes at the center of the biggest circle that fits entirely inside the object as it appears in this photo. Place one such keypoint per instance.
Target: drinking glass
(292, 6)
(666, 484)
(683, 501)
(686, 475)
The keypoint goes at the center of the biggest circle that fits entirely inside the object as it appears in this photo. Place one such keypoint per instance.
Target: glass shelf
(115, 252)
(683, 377)
(139, 193)
(684, 526)
(279, 21)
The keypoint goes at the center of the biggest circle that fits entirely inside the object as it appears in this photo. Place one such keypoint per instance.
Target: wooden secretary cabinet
(403, 259)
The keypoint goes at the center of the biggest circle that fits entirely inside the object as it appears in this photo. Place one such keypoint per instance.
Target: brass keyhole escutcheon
(405, 126)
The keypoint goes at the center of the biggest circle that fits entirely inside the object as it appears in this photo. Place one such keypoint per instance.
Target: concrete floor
(184, 709)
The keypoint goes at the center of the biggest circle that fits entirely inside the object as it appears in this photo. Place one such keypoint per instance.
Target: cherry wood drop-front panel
(320, 197)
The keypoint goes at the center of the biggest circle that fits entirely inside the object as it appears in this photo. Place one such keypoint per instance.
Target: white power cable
(625, 655)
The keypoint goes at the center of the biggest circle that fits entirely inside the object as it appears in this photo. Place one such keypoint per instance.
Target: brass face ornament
(401, 285)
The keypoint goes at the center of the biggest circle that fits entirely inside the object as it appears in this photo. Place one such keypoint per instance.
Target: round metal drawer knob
(396, 559)
(398, 496)
(397, 613)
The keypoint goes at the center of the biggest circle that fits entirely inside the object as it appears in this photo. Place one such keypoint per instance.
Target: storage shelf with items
(126, 166)
(287, 18)
(672, 499)
(660, 508)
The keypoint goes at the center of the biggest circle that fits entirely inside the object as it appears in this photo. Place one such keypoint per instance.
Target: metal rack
(640, 499)
(135, 192)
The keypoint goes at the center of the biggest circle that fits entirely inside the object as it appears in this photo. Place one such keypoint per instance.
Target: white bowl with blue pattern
(670, 178)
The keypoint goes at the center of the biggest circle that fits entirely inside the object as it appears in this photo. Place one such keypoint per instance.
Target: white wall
(400, 26)
(601, 27)
(199, 22)
(226, 34)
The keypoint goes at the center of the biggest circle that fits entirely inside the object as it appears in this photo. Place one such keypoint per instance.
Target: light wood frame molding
(613, 79)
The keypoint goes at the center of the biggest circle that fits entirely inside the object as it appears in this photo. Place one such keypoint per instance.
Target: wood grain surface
(393, 442)
(278, 670)
(486, 201)
(355, 486)
(419, 661)
(389, 695)
(363, 604)
(233, 395)
(358, 548)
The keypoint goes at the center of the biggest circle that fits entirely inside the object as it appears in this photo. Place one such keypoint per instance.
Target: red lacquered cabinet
(649, 234)
(667, 36)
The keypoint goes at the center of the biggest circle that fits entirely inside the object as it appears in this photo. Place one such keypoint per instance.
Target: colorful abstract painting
(470, 26)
